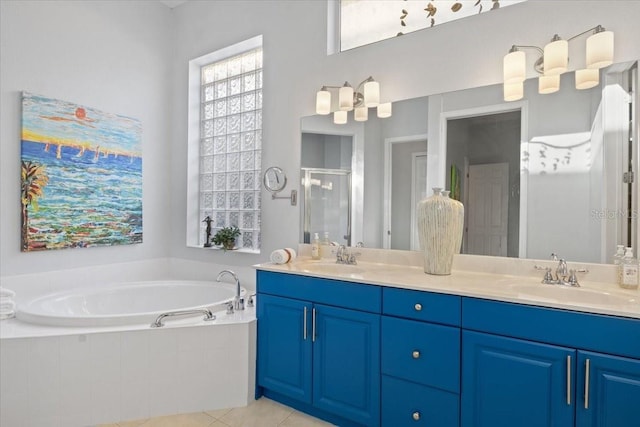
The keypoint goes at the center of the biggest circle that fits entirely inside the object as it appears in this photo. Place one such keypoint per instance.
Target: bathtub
(89, 356)
(124, 304)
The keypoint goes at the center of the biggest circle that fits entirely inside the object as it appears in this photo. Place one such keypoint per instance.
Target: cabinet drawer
(408, 404)
(421, 352)
(350, 295)
(420, 305)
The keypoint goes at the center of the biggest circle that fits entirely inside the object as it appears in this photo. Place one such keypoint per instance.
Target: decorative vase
(440, 224)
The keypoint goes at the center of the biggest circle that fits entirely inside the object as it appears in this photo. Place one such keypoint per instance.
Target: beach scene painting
(81, 183)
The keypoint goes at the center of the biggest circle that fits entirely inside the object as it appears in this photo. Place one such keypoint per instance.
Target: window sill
(235, 251)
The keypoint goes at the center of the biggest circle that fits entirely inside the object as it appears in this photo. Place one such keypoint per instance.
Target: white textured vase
(440, 223)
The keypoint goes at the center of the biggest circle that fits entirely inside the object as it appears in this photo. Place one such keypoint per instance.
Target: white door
(488, 211)
(418, 192)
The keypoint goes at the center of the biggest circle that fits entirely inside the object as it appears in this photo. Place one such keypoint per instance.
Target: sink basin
(567, 294)
(330, 268)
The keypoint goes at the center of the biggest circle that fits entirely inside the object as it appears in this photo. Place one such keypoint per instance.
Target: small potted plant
(226, 237)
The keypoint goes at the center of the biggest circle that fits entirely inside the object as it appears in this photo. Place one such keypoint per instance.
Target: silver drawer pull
(415, 354)
(418, 307)
(416, 416)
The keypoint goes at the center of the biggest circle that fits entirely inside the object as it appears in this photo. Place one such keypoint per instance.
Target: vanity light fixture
(554, 60)
(366, 95)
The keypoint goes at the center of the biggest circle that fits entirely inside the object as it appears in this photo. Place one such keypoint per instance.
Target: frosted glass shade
(556, 57)
(513, 91)
(345, 98)
(384, 110)
(548, 84)
(371, 94)
(323, 102)
(340, 117)
(600, 50)
(513, 67)
(361, 114)
(587, 78)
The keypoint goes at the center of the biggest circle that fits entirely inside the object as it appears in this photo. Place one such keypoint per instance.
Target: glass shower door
(327, 204)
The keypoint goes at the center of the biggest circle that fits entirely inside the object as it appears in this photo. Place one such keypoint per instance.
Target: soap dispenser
(315, 247)
(628, 268)
(617, 257)
(324, 245)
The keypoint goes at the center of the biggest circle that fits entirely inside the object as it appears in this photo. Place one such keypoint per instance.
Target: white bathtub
(89, 356)
(124, 304)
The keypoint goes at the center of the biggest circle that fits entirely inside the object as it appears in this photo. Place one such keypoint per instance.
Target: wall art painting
(81, 183)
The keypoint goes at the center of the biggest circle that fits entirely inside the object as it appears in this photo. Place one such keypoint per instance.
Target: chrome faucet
(344, 257)
(238, 302)
(564, 275)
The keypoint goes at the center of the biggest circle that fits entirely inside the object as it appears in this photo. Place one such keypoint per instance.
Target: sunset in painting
(81, 176)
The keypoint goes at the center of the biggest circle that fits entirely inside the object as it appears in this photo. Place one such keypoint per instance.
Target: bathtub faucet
(238, 303)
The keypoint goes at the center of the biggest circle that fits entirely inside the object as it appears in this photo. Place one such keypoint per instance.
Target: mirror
(540, 175)
(274, 179)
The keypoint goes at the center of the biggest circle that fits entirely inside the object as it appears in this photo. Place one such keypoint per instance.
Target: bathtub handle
(208, 316)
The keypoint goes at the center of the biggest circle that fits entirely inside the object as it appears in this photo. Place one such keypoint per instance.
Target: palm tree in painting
(34, 179)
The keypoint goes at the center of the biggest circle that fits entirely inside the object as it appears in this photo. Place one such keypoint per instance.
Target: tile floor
(261, 413)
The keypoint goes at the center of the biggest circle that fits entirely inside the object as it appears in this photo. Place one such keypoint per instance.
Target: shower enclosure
(326, 204)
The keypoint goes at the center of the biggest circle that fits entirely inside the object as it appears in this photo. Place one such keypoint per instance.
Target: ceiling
(172, 3)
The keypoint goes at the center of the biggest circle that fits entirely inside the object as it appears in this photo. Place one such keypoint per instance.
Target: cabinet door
(284, 346)
(346, 363)
(509, 382)
(611, 398)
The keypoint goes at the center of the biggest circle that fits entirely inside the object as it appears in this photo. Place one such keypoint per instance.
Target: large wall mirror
(545, 174)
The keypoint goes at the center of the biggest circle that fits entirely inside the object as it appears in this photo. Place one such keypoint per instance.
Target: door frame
(387, 183)
(413, 244)
(523, 107)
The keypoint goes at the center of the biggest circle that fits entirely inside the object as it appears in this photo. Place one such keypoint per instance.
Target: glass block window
(230, 146)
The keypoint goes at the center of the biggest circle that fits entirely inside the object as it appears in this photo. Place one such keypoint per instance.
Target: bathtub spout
(238, 302)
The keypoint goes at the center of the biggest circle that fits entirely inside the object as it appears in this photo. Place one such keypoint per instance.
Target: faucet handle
(573, 279)
(229, 305)
(250, 302)
(548, 277)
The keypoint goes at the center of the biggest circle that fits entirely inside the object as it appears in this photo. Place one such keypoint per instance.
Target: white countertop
(590, 297)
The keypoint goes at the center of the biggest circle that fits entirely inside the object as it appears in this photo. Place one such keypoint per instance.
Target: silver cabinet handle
(313, 325)
(416, 416)
(568, 380)
(586, 383)
(418, 306)
(304, 324)
(415, 354)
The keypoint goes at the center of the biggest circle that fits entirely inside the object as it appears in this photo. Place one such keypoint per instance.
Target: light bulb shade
(371, 94)
(548, 84)
(340, 117)
(345, 98)
(600, 49)
(513, 67)
(587, 78)
(384, 110)
(323, 102)
(361, 114)
(513, 91)
(556, 57)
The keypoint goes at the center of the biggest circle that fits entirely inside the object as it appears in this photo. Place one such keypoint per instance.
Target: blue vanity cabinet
(317, 355)
(609, 389)
(346, 364)
(284, 364)
(420, 359)
(509, 382)
(533, 366)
